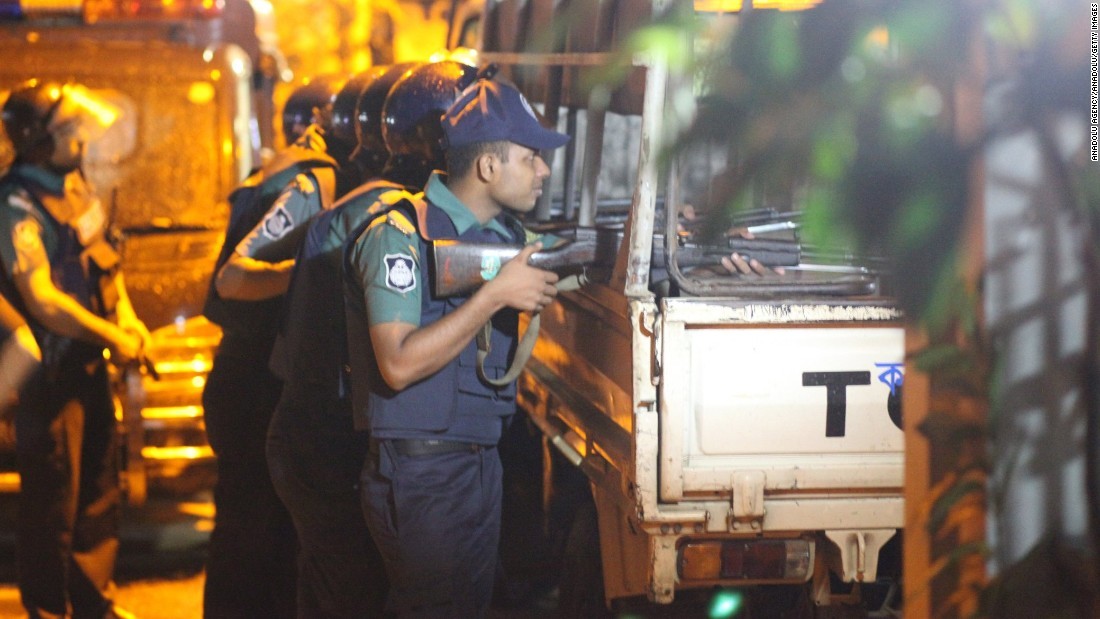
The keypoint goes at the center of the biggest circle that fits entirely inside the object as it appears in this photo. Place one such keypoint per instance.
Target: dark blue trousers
(67, 528)
(436, 520)
(250, 568)
(315, 457)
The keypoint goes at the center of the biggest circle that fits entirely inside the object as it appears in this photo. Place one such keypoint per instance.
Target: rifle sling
(526, 343)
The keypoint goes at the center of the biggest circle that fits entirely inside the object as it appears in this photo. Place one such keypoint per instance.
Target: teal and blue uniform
(432, 486)
(67, 525)
(314, 454)
(250, 568)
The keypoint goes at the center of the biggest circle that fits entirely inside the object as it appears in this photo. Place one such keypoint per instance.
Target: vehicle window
(470, 32)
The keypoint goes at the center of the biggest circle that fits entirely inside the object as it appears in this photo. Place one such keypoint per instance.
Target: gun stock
(461, 268)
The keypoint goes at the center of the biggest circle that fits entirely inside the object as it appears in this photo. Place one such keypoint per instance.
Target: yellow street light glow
(200, 93)
(177, 453)
(171, 412)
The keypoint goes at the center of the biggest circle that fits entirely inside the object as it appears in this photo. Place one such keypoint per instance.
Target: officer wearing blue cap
(314, 452)
(432, 485)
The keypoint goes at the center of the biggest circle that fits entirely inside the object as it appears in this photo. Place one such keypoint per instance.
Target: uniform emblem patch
(277, 223)
(490, 266)
(26, 237)
(400, 272)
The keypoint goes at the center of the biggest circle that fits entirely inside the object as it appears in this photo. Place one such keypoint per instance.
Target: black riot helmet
(37, 110)
(318, 93)
(410, 116)
(370, 151)
(27, 115)
(343, 109)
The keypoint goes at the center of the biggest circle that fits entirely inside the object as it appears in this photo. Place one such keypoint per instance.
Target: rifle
(768, 252)
(460, 268)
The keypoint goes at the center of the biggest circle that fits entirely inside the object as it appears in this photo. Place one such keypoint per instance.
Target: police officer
(314, 452)
(60, 271)
(250, 569)
(432, 486)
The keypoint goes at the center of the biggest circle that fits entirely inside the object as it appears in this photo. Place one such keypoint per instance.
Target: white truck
(738, 432)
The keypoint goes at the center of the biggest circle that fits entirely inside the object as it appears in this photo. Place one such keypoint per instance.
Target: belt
(426, 447)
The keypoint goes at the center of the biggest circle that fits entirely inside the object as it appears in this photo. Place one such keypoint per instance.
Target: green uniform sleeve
(386, 263)
(279, 233)
(22, 235)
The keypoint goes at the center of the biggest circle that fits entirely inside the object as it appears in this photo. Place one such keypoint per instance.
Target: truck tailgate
(805, 397)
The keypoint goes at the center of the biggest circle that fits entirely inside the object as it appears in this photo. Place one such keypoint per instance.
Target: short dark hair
(461, 159)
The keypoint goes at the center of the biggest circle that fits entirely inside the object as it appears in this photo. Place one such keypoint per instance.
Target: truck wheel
(581, 588)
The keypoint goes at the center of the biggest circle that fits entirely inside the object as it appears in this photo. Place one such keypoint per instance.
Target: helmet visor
(82, 113)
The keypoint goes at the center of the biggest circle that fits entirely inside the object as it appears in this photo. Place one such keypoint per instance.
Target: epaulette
(304, 184)
(398, 220)
(395, 196)
(21, 200)
(395, 218)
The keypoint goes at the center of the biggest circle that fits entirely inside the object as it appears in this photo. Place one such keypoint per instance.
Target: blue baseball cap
(492, 111)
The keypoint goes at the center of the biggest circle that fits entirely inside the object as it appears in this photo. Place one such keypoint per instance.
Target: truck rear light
(757, 559)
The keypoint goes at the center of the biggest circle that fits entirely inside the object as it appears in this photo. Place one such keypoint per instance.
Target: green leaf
(949, 499)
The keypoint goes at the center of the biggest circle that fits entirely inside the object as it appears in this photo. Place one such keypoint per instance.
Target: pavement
(162, 549)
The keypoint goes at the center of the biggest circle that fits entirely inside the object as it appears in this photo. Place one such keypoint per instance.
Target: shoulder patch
(26, 238)
(400, 272)
(26, 235)
(277, 223)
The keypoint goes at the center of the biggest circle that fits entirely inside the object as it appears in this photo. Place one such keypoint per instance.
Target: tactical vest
(310, 353)
(83, 272)
(428, 408)
(249, 326)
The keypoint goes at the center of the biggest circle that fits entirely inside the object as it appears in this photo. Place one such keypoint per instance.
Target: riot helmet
(343, 109)
(43, 117)
(410, 117)
(370, 151)
(298, 111)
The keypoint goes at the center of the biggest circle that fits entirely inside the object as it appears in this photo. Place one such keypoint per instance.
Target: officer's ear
(488, 166)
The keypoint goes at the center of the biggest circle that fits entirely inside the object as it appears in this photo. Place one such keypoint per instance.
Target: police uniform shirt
(277, 236)
(26, 238)
(392, 288)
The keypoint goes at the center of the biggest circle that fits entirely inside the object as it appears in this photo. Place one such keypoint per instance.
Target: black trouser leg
(69, 502)
(250, 570)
